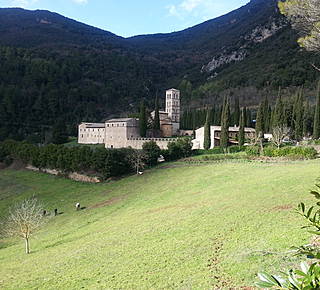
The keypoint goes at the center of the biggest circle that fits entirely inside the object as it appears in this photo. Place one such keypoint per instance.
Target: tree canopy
(305, 18)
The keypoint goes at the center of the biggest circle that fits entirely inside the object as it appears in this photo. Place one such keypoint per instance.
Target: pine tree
(143, 120)
(241, 129)
(207, 131)
(156, 121)
(316, 122)
(225, 123)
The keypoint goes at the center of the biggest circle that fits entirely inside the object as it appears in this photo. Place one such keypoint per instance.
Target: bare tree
(24, 220)
(278, 134)
(137, 160)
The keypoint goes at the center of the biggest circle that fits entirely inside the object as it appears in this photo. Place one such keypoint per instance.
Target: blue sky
(133, 17)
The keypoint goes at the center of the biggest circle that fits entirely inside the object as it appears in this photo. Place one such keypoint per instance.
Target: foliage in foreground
(308, 277)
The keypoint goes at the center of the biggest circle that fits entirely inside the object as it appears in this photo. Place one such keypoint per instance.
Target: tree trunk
(27, 246)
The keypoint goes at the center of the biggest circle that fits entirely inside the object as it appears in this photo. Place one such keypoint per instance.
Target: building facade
(124, 132)
(91, 133)
(198, 142)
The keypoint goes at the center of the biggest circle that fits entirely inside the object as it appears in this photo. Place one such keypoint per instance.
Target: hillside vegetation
(56, 68)
(176, 226)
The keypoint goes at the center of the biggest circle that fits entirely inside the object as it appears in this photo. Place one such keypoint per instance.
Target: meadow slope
(182, 227)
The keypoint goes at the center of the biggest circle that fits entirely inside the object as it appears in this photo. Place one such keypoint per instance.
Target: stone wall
(137, 143)
(74, 175)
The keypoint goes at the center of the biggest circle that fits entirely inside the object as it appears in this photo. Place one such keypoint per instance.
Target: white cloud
(200, 9)
(190, 5)
(80, 1)
(172, 9)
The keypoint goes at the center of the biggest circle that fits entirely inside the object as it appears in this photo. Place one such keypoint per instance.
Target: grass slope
(197, 227)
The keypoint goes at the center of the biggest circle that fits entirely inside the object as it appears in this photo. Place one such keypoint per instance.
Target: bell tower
(173, 108)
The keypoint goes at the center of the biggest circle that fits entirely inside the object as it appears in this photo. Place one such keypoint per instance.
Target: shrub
(152, 152)
(291, 152)
(179, 149)
(253, 150)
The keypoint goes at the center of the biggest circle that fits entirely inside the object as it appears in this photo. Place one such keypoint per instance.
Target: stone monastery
(124, 132)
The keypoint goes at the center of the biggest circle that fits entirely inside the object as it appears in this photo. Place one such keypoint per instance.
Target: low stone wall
(137, 143)
(74, 175)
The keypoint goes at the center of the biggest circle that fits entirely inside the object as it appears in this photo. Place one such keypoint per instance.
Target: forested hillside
(54, 68)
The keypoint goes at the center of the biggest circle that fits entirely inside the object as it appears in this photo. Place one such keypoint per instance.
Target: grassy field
(175, 227)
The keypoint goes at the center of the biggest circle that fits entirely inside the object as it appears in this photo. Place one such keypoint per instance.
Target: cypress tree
(225, 123)
(236, 114)
(143, 120)
(278, 114)
(156, 122)
(241, 129)
(266, 115)
(194, 123)
(298, 116)
(307, 119)
(217, 117)
(316, 122)
(260, 120)
(248, 118)
(207, 131)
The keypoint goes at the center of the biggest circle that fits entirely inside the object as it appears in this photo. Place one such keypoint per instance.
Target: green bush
(291, 152)
(178, 149)
(220, 150)
(253, 150)
(152, 152)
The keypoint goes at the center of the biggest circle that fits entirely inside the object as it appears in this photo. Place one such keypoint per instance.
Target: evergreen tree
(143, 120)
(278, 118)
(260, 126)
(217, 117)
(194, 123)
(248, 118)
(316, 123)
(297, 118)
(236, 114)
(207, 131)
(59, 133)
(225, 124)
(266, 115)
(156, 121)
(241, 129)
(307, 119)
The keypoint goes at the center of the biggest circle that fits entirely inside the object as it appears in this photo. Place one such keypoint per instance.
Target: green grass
(175, 227)
(73, 141)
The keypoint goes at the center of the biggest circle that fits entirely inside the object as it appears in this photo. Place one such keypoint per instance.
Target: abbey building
(124, 132)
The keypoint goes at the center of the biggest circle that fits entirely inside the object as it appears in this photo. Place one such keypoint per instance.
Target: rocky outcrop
(257, 35)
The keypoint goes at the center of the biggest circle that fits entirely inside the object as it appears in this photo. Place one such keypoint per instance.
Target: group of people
(78, 207)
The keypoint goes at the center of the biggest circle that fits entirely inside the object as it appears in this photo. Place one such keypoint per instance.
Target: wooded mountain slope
(55, 68)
